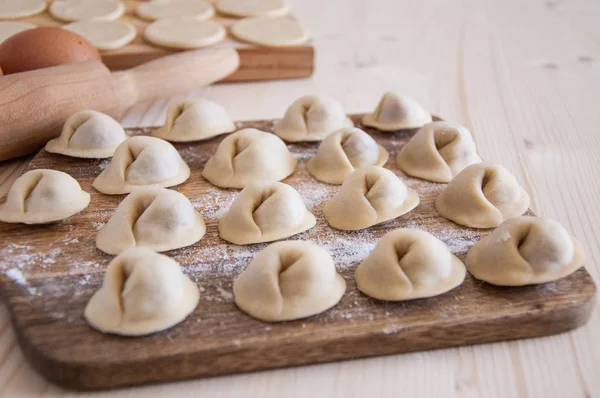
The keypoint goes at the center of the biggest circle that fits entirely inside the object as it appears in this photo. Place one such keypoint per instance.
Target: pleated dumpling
(312, 118)
(156, 218)
(88, 134)
(482, 196)
(409, 264)
(343, 152)
(42, 196)
(143, 292)
(263, 212)
(194, 120)
(249, 155)
(397, 113)
(288, 280)
(369, 196)
(142, 161)
(525, 251)
(438, 152)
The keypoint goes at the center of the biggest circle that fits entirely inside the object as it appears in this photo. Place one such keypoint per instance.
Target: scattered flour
(17, 276)
(97, 225)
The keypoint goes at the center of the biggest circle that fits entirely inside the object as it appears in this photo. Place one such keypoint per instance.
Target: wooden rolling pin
(35, 104)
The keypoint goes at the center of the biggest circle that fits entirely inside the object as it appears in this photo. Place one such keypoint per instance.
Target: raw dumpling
(288, 280)
(246, 156)
(525, 251)
(42, 196)
(143, 292)
(438, 152)
(369, 196)
(343, 152)
(152, 217)
(263, 212)
(409, 264)
(193, 120)
(142, 161)
(482, 196)
(312, 118)
(88, 134)
(397, 113)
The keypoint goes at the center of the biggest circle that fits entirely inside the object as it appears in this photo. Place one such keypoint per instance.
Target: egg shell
(42, 48)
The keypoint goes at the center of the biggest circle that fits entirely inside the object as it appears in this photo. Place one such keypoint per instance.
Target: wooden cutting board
(256, 62)
(48, 273)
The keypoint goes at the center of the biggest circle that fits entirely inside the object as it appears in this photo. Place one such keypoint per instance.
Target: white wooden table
(524, 77)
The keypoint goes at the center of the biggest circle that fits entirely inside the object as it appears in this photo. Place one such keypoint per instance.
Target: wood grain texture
(524, 77)
(63, 269)
(256, 62)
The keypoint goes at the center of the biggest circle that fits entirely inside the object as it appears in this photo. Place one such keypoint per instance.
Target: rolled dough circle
(12, 9)
(9, 28)
(252, 8)
(184, 33)
(271, 32)
(75, 10)
(103, 34)
(159, 9)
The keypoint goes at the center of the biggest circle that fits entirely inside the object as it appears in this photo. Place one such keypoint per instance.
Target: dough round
(103, 34)
(263, 212)
(288, 280)
(343, 152)
(482, 196)
(270, 32)
(13, 9)
(397, 113)
(184, 33)
(369, 196)
(525, 251)
(151, 217)
(409, 264)
(42, 196)
(160, 9)
(143, 292)
(74, 10)
(9, 28)
(252, 8)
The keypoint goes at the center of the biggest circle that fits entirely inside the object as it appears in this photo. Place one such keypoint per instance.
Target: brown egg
(44, 47)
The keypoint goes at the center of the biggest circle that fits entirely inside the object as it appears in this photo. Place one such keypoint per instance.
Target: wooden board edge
(541, 321)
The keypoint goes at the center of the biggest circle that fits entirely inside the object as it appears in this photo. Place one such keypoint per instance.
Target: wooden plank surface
(256, 62)
(62, 268)
(524, 77)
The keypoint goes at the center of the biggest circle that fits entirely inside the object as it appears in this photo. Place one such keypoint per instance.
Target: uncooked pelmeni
(88, 134)
(43, 196)
(156, 218)
(252, 8)
(438, 152)
(343, 152)
(369, 196)
(13, 9)
(288, 280)
(312, 118)
(397, 113)
(143, 292)
(159, 9)
(104, 34)
(409, 264)
(194, 120)
(482, 196)
(142, 161)
(9, 28)
(184, 33)
(263, 212)
(75, 10)
(246, 156)
(525, 251)
(271, 32)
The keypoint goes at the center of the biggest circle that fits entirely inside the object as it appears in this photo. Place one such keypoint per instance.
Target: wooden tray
(256, 62)
(61, 269)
